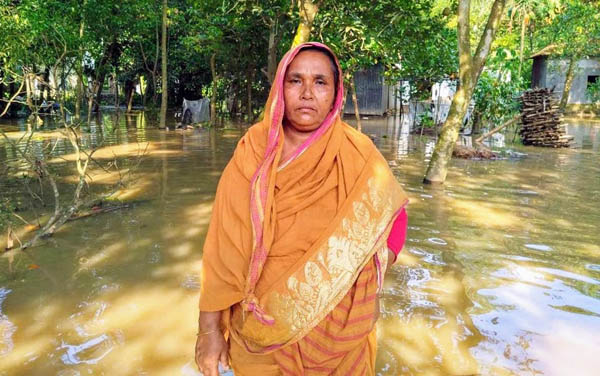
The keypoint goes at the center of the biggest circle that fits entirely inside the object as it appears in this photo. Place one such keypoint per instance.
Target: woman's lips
(306, 109)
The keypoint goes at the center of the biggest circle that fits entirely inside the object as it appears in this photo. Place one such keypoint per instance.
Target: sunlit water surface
(500, 274)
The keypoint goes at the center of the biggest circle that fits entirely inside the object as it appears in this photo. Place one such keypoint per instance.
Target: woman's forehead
(315, 62)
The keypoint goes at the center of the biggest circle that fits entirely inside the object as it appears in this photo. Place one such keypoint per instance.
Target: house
(372, 93)
(549, 72)
(376, 97)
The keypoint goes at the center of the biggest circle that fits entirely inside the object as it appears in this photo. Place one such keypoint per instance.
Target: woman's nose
(306, 92)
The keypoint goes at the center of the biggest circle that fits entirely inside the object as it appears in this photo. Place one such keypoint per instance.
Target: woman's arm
(211, 347)
(397, 237)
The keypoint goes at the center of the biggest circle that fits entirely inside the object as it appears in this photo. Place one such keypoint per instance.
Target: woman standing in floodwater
(307, 215)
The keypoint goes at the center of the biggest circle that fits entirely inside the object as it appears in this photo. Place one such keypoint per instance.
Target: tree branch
(12, 99)
(485, 42)
(464, 43)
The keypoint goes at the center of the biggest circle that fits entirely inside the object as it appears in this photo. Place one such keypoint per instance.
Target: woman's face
(308, 90)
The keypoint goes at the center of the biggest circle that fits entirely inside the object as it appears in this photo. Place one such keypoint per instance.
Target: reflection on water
(7, 328)
(586, 133)
(500, 274)
(73, 354)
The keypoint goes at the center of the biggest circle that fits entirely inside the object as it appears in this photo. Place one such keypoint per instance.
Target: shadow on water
(500, 274)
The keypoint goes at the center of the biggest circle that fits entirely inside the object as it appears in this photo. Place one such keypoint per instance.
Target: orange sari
(295, 249)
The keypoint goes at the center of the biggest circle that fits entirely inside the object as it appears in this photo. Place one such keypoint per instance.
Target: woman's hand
(211, 349)
(390, 261)
(377, 313)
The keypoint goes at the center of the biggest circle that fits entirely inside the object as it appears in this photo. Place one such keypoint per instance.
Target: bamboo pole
(497, 129)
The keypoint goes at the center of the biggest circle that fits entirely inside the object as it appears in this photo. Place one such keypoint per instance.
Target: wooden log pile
(541, 120)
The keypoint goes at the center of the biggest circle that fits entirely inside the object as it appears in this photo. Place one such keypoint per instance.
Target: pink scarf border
(260, 184)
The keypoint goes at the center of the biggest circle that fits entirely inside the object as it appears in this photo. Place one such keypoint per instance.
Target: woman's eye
(295, 81)
(320, 82)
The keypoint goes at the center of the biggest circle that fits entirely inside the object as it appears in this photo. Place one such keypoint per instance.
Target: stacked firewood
(541, 120)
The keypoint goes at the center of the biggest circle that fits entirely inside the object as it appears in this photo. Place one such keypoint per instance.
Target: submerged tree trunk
(79, 70)
(307, 10)
(2, 90)
(272, 54)
(438, 166)
(235, 90)
(249, 81)
(116, 83)
(213, 99)
(355, 102)
(46, 94)
(98, 85)
(476, 126)
(129, 92)
(111, 54)
(90, 100)
(152, 90)
(29, 91)
(164, 77)
(143, 89)
(78, 96)
(470, 67)
(523, 26)
(564, 99)
(130, 101)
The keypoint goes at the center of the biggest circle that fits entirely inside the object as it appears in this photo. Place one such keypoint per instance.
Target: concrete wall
(555, 77)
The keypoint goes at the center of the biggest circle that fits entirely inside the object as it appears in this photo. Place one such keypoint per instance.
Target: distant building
(372, 93)
(376, 97)
(551, 73)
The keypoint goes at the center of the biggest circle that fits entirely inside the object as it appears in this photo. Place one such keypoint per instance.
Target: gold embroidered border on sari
(303, 297)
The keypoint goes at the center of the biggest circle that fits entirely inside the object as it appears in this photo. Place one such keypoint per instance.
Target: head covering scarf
(261, 202)
(291, 240)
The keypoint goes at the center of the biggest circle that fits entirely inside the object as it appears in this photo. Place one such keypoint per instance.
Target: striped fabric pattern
(344, 342)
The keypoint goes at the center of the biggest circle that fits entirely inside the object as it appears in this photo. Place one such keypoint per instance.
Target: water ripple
(73, 352)
(539, 247)
(191, 282)
(7, 328)
(594, 267)
(437, 241)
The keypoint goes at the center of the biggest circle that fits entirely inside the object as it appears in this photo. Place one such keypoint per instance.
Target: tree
(307, 10)
(470, 67)
(574, 33)
(342, 27)
(525, 11)
(164, 76)
(389, 33)
(276, 17)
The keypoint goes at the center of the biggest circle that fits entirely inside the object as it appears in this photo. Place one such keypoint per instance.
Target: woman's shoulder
(249, 149)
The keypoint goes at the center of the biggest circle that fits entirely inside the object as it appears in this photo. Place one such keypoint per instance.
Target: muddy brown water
(500, 274)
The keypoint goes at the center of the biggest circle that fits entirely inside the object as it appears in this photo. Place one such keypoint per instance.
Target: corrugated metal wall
(370, 92)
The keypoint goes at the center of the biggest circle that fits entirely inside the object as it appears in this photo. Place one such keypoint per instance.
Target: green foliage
(499, 87)
(593, 93)
(529, 25)
(237, 33)
(7, 207)
(409, 38)
(426, 120)
(496, 97)
(572, 29)
(413, 40)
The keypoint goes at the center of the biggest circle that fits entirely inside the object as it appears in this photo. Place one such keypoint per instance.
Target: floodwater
(500, 274)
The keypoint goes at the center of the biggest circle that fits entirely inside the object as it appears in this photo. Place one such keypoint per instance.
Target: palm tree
(523, 11)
